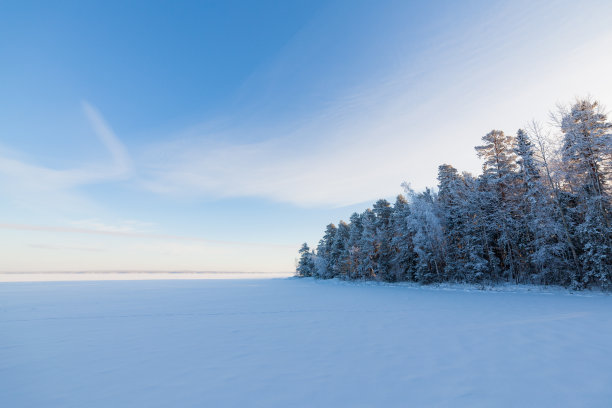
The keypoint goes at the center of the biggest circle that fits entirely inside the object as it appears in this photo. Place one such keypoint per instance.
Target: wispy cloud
(121, 162)
(126, 226)
(360, 142)
(30, 180)
(364, 143)
(101, 229)
(54, 247)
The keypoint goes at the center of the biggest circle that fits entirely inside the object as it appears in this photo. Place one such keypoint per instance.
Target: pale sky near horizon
(220, 135)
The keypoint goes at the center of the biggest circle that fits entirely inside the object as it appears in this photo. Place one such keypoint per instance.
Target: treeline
(539, 213)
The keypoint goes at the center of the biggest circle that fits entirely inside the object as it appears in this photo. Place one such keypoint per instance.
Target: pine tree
(403, 256)
(540, 243)
(354, 241)
(306, 264)
(533, 215)
(499, 159)
(531, 200)
(452, 209)
(475, 234)
(556, 222)
(382, 209)
(340, 251)
(586, 158)
(586, 152)
(499, 187)
(368, 246)
(428, 237)
(324, 262)
(460, 215)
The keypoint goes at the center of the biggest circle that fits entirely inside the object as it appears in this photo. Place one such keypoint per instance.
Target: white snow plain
(300, 343)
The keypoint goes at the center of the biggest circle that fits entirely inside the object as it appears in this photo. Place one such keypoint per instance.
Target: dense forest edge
(538, 214)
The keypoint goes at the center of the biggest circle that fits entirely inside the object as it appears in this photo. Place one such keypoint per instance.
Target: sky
(220, 135)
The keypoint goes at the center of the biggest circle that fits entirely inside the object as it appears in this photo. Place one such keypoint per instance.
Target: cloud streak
(364, 143)
(359, 142)
(31, 181)
(118, 232)
(121, 160)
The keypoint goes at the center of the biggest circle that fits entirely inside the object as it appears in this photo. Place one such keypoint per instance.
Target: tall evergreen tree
(306, 264)
(530, 203)
(460, 215)
(526, 218)
(586, 156)
(383, 210)
(475, 234)
(340, 251)
(540, 243)
(560, 228)
(368, 245)
(402, 250)
(428, 238)
(452, 210)
(324, 265)
(499, 179)
(354, 242)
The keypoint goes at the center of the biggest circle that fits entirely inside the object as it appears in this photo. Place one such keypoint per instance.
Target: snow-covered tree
(586, 158)
(499, 187)
(540, 242)
(383, 210)
(557, 254)
(475, 232)
(428, 237)
(586, 151)
(540, 212)
(368, 246)
(353, 246)
(529, 205)
(461, 217)
(402, 250)
(499, 158)
(324, 262)
(305, 266)
(452, 209)
(340, 251)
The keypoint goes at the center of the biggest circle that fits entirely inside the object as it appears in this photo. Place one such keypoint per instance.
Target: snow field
(300, 343)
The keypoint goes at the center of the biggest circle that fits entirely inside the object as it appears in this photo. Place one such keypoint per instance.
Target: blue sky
(219, 135)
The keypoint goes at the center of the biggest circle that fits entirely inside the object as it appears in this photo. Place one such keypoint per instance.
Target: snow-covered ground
(300, 343)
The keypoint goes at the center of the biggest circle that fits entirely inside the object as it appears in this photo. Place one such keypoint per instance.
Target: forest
(539, 213)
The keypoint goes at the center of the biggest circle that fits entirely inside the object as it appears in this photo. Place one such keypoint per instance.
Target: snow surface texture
(300, 342)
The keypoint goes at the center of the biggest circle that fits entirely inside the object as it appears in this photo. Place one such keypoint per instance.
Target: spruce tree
(353, 246)
(428, 237)
(368, 246)
(383, 210)
(499, 187)
(586, 156)
(402, 251)
(324, 262)
(305, 265)
(340, 252)
(533, 215)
